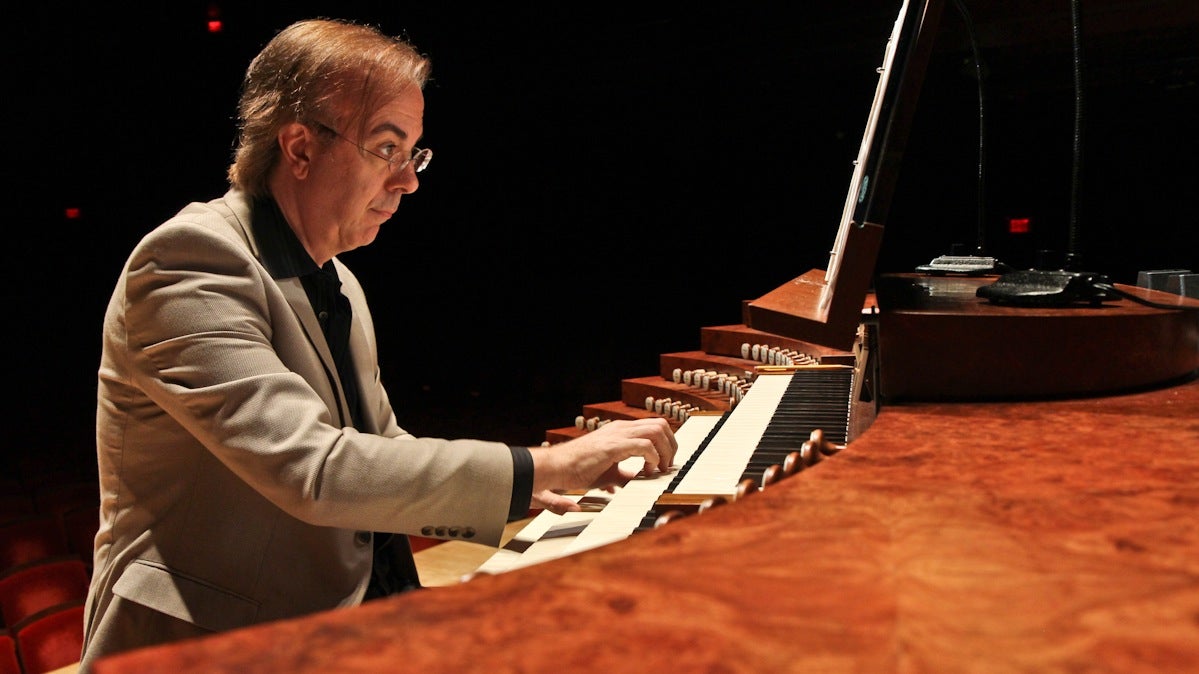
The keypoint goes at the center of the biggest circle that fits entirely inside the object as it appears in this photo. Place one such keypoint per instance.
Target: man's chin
(366, 238)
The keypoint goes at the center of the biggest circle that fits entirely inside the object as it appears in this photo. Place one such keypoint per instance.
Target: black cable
(1072, 255)
(981, 237)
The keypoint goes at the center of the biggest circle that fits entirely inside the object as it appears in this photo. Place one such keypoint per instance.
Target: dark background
(607, 180)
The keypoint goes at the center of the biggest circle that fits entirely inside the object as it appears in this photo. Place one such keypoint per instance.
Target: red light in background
(1018, 225)
(72, 213)
(214, 18)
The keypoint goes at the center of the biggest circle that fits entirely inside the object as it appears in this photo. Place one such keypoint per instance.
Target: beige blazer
(233, 491)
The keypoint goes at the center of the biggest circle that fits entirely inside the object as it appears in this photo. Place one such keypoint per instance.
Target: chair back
(29, 539)
(50, 639)
(30, 588)
(9, 664)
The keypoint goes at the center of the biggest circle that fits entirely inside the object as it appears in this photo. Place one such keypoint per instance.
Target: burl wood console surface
(1049, 536)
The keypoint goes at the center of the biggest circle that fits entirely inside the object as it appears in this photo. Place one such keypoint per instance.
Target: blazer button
(426, 531)
(362, 537)
(468, 532)
(440, 531)
(454, 531)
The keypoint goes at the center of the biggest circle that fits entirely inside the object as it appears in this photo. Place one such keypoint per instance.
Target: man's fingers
(556, 503)
(665, 446)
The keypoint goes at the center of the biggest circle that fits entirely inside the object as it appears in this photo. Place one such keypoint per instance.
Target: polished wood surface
(1047, 536)
(938, 340)
(796, 308)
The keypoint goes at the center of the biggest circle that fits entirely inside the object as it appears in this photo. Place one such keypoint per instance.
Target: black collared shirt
(284, 257)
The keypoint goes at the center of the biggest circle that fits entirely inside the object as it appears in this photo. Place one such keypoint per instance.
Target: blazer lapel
(238, 212)
(334, 397)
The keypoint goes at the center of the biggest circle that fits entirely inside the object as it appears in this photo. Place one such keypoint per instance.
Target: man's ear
(295, 144)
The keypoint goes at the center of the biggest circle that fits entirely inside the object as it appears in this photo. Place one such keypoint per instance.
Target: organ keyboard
(775, 417)
(717, 452)
(542, 539)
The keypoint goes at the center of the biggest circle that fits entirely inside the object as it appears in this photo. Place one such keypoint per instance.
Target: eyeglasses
(419, 158)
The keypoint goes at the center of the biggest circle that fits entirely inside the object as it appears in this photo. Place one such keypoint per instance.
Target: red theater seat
(30, 588)
(50, 639)
(8, 654)
(29, 539)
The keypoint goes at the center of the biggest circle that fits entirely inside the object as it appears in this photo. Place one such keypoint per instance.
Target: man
(246, 445)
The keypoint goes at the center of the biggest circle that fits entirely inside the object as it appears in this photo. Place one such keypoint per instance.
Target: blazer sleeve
(215, 344)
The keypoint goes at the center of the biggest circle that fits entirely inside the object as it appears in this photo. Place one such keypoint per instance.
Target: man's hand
(591, 461)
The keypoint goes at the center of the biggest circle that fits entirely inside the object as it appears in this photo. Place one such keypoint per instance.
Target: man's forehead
(403, 115)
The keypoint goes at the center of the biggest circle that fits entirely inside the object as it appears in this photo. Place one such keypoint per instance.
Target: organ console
(722, 455)
(1042, 521)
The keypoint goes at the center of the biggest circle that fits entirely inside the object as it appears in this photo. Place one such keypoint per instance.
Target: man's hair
(311, 72)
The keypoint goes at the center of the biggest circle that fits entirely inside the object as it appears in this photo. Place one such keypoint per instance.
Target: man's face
(348, 194)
